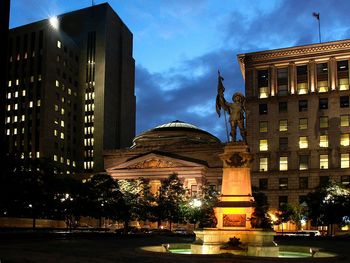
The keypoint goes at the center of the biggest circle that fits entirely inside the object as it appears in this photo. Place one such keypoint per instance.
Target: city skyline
(179, 46)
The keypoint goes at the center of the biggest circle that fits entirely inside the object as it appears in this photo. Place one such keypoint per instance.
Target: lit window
(57, 83)
(62, 111)
(15, 107)
(324, 122)
(302, 88)
(31, 78)
(323, 140)
(263, 164)
(23, 117)
(283, 125)
(30, 104)
(344, 120)
(62, 159)
(62, 135)
(56, 107)
(16, 94)
(302, 124)
(344, 84)
(344, 160)
(37, 154)
(10, 83)
(55, 157)
(14, 118)
(283, 163)
(23, 92)
(62, 123)
(68, 162)
(55, 132)
(263, 146)
(263, 92)
(69, 91)
(73, 163)
(8, 120)
(9, 95)
(323, 161)
(303, 142)
(8, 132)
(15, 131)
(344, 139)
(17, 82)
(39, 77)
(322, 86)
(59, 44)
(283, 183)
(38, 103)
(8, 107)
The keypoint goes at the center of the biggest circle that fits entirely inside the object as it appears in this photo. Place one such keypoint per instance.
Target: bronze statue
(236, 110)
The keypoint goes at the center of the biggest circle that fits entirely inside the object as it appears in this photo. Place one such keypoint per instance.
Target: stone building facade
(298, 118)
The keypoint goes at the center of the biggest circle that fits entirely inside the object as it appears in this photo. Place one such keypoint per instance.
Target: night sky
(180, 44)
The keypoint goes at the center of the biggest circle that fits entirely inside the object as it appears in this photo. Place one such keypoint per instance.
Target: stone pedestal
(234, 210)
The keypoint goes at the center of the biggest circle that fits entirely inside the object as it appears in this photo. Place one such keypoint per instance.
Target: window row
(322, 83)
(304, 162)
(304, 142)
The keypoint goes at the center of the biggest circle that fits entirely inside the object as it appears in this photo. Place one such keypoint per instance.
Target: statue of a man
(236, 110)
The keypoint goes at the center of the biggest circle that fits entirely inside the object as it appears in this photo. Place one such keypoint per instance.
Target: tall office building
(298, 118)
(70, 89)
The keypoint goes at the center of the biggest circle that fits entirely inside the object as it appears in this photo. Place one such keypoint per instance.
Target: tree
(169, 200)
(260, 218)
(329, 205)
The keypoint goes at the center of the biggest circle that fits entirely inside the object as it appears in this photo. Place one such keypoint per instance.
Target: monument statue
(236, 110)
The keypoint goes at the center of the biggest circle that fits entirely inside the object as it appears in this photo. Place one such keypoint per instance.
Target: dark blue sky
(180, 44)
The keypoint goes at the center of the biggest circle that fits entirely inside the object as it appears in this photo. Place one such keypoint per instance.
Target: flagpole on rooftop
(317, 16)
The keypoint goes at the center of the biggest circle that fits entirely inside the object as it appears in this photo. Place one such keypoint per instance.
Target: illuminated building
(70, 89)
(298, 122)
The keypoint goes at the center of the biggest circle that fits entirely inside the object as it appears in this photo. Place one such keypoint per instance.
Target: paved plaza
(105, 248)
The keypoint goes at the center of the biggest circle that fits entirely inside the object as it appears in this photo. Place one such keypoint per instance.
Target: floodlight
(54, 22)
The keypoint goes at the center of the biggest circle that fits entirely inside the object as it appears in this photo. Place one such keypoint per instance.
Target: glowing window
(17, 82)
(56, 107)
(344, 84)
(8, 132)
(15, 107)
(62, 159)
(16, 94)
(69, 91)
(344, 139)
(263, 92)
(30, 104)
(8, 107)
(344, 160)
(59, 45)
(14, 118)
(55, 132)
(62, 135)
(37, 154)
(344, 120)
(263, 146)
(263, 164)
(23, 92)
(15, 131)
(57, 83)
(23, 117)
(10, 83)
(8, 120)
(31, 78)
(9, 95)
(73, 163)
(322, 86)
(303, 142)
(283, 163)
(38, 103)
(323, 140)
(302, 88)
(323, 161)
(62, 111)
(62, 123)
(283, 125)
(303, 124)
(324, 122)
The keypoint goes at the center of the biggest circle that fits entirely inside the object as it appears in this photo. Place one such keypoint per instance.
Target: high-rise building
(298, 118)
(70, 89)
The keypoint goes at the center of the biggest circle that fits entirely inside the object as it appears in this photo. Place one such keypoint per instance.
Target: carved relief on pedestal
(241, 159)
(153, 163)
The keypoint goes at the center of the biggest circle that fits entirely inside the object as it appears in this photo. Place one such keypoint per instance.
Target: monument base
(254, 242)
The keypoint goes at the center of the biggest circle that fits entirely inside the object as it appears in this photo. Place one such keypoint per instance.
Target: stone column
(292, 78)
(312, 76)
(272, 80)
(332, 73)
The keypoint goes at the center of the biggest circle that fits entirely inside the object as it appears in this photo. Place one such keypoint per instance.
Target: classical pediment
(155, 161)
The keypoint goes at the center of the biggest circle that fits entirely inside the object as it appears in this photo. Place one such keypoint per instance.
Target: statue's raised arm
(236, 110)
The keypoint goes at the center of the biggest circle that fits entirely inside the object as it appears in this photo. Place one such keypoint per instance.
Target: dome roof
(175, 132)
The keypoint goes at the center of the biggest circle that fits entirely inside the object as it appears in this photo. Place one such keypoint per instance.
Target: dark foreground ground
(106, 247)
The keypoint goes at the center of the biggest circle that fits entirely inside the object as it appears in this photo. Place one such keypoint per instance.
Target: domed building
(175, 147)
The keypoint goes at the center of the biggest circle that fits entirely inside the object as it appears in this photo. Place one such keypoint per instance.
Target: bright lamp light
(54, 22)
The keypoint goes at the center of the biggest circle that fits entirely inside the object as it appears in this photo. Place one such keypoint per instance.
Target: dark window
(283, 143)
(282, 81)
(344, 101)
(342, 65)
(303, 162)
(301, 70)
(345, 180)
(303, 182)
(323, 104)
(283, 183)
(282, 200)
(262, 108)
(302, 105)
(283, 106)
(322, 68)
(263, 184)
(263, 78)
(302, 199)
(324, 180)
